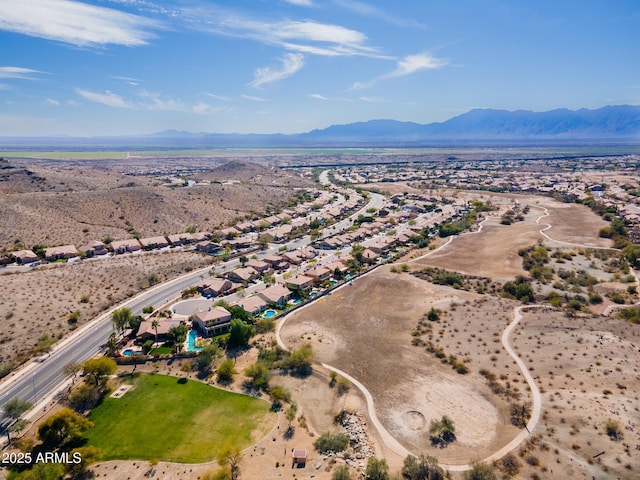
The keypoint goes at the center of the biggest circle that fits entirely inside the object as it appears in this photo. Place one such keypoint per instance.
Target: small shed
(299, 458)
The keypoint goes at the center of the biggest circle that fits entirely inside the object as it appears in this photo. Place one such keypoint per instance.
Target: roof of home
(252, 303)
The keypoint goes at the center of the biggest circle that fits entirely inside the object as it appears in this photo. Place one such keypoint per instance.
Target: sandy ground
(39, 301)
(372, 341)
(78, 201)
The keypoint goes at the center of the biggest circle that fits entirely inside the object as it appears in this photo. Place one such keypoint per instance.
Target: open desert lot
(371, 340)
(57, 202)
(493, 252)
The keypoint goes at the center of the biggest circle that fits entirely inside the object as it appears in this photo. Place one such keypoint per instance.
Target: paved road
(37, 381)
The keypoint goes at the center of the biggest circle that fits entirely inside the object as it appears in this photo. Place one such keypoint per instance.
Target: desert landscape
(419, 337)
(372, 340)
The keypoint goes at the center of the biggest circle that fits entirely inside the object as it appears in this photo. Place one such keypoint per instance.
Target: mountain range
(619, 123)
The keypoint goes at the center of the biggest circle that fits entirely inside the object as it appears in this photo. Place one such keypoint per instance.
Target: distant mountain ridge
(620, 123)
(612, 122)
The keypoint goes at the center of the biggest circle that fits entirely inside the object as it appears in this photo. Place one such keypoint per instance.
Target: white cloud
(252, 98)
(365, 9)
(299, 36)
(406, 66)
(151, 102)
(291, 63)
(53, 101)
(301, 3)
(372, 99)
(217, 97)
(108, 98)
(75, 23)
(129, 80)
(318, 96)
(18, 72)
(414, 63)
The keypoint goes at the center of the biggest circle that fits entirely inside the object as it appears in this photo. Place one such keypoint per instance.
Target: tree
(155, 324)
(433, 315)
(422, 468)
(442, 431)
(72, 369)
(62, 428)
(97, 370)
(177, 335)
(45, 342)
(239, 333)
(480, 471)
(42, 471)
(259, 375)
(243, 260)
(300, 360)
(341, 472)
(230, 456)
(328, 442)
(88, 456)
(14, 409)
(147, 346)
(121, 319)
(357, 251)
(377, 469)
(291, 413)
(85, 397)
(112, 344)
(226, 371)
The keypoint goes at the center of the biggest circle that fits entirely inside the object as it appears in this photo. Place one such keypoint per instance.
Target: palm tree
(155, 324)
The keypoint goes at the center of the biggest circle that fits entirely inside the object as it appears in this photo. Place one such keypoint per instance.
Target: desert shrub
(480, 471)
(328, 442)
(632, 314)
(510, 465)
(613, 429)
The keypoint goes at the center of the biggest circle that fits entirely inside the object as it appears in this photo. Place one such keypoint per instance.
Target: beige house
(300, 283)
(93, 248)
(57, 253)
(243, 275)
(24, 256)
(154, 242)
(148, 332)
(125, 246)
(276, 295)
(215, 321)
(319, 274)
(213, 287)
(253, 304)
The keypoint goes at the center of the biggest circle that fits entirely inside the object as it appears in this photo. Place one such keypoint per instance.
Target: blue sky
(113, 67)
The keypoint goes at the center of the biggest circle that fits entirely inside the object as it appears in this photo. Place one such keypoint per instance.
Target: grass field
(163, 419)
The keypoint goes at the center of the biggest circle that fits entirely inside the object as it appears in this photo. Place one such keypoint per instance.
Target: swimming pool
(269, 314)
(191, 342)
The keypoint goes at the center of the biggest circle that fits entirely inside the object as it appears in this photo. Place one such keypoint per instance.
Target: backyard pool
(191, 344)
(129, 352)
(296, 301)
(269, 314)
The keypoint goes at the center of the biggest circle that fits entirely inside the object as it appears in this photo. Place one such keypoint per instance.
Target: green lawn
(163, 419)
